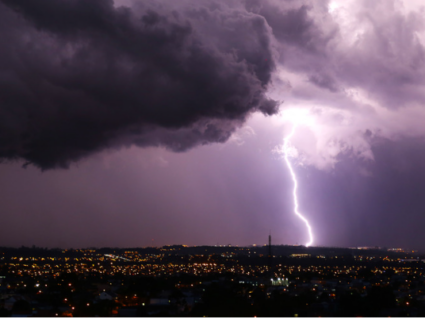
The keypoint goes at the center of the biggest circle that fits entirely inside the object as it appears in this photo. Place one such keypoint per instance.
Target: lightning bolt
(294, 179)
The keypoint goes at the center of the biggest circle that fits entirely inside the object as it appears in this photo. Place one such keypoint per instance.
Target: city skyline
(135, 124)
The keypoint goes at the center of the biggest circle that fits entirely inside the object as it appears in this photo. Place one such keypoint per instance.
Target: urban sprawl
(212, 281)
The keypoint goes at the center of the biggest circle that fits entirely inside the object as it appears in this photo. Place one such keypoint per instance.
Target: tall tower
(270, 252)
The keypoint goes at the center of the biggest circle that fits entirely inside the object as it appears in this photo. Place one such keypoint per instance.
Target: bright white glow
(333, 5)
(294, 179)
(298, 116)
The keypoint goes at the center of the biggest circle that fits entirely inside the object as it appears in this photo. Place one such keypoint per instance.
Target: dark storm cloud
(78, 76)
(324, 81)
(291, 23)
(303, 37)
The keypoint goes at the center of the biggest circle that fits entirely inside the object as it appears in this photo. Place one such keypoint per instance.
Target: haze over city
(148, 123)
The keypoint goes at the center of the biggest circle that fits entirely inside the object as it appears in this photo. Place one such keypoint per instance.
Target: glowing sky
(162, 122)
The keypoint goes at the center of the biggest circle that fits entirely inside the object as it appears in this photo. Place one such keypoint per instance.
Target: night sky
(140, 123)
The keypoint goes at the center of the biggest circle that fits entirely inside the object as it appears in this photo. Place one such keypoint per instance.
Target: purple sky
(161, 122)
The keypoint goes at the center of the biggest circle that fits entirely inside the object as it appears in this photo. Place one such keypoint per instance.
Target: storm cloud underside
(80, 76)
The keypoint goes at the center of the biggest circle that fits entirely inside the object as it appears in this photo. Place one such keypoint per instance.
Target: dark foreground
(211, 281)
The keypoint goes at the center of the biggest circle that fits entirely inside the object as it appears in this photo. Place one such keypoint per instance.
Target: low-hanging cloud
(79, 76)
